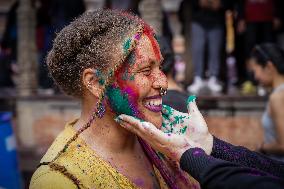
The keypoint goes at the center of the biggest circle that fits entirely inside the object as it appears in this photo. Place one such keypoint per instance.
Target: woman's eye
(146, 71)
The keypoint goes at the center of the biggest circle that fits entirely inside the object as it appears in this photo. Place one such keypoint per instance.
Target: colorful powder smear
(123, 98)
(120, 101)
(173, 122)
(100, 77)
(150, 34)
(191, 98)
(126, 46)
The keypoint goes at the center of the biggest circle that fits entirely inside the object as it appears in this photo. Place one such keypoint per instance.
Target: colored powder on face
(101, 81)
(149, 33)
(131, 58)
(131, 78)
(191, 98)
(133, 99)
(125, 76)
(99, 75)
(129, 62)
(126, 45)
(124, 95)
(118, 101)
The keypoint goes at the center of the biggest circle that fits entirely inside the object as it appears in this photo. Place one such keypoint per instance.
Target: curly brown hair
(93, 40)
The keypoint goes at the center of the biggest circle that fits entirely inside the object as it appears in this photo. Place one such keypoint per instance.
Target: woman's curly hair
(93, 40)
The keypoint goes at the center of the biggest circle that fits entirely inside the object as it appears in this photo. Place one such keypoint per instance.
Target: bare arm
(276, 105)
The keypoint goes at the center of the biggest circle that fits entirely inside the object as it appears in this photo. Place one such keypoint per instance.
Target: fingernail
(145, 124)
(191, 98)
(118, 119)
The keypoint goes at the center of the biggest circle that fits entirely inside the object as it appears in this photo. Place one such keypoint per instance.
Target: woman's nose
(160, 80)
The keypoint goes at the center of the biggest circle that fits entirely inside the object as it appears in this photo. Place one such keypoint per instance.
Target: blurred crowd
(221, 36)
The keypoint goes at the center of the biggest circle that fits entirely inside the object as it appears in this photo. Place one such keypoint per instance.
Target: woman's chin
(154, 117)
(157, 121)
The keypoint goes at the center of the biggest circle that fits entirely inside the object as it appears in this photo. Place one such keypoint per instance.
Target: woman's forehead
(148, 49)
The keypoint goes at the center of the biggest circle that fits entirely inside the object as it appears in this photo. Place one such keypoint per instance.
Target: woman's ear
(91, 82)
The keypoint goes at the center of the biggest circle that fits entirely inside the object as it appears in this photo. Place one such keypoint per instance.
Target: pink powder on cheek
(129, 88)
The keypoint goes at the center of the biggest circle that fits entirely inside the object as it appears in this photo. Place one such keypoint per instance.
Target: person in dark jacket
(211, 161)
(207, 27)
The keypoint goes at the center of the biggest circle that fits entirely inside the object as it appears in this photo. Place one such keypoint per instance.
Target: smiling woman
(111, 61)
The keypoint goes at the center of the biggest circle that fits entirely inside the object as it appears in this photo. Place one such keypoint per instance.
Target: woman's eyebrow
(143, 63)
(158, 62)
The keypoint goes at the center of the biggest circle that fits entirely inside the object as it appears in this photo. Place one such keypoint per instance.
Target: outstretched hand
(180, 131)
(191, 124)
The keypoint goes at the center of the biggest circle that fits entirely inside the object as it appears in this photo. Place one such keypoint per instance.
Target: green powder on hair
(126, 45)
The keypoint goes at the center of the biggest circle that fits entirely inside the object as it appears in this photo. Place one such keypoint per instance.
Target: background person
(267, 64)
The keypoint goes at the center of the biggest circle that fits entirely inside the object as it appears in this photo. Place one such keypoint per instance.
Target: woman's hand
(191, 124)
(171, 145)
(186, 131)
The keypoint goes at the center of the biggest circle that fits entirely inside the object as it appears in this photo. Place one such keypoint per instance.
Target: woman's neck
(106, 134)
(278, 80)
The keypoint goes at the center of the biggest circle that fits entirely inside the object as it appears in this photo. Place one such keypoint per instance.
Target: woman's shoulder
(46, 178)
(79, 163)
(59, 143)
(276, 99)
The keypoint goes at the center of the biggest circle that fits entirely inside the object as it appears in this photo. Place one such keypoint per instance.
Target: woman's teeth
(156, 102)
(154, 105)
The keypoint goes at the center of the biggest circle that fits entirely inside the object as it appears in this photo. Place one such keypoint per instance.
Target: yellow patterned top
(78, 167)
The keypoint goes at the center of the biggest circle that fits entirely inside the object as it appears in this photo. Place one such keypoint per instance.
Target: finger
(191, 101)
(194, 111)
(195, 114)
(133, 127)
(133, 123)
(145, 130)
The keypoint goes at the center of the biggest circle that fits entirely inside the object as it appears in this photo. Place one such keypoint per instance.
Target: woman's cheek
(123, 100)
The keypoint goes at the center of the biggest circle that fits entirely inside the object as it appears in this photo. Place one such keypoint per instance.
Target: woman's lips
(153, 103)
(154, 108)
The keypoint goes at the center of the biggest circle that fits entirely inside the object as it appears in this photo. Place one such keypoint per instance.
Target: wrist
(208, 144)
